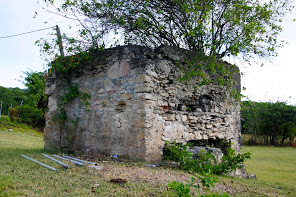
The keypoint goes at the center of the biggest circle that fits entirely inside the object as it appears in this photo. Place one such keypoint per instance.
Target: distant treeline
(268, 123)
(34, 100)
(12, 96)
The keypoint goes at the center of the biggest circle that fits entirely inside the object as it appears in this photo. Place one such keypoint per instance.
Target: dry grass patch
(134, 173)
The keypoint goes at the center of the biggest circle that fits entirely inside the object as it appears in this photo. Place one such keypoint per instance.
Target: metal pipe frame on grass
(61, 163)
(79, 160)
(39, 163)
(76, 162)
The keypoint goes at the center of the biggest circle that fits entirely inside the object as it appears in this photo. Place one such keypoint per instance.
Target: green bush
(176, 152)
(206, 161)
(206, 180)
(206, 164)
(30, 115)
(6, 123)
(180, 189)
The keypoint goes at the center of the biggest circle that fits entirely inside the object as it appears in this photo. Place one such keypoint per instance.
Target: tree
(213, 29)
(35, 83)
(11, 96)
(275, 122)
(32, 112)
(217, 28)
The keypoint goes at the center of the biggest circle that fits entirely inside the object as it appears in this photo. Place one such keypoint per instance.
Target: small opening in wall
(121, 106)
(203, 103)
(170, 79)
(217, 143)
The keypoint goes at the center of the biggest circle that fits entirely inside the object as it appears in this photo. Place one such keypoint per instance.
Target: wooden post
(60, 41)
(0, 110)
(18, 116)
(8, 110)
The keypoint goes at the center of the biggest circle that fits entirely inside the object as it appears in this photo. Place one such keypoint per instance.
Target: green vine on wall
(209, 70)
(64, 67)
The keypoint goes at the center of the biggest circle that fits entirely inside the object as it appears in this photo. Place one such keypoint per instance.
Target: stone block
(52, 104)
(125, 96)
(164, 94)
(124, 67)
(141, 125)
(197, 151)
(101, 90)
(145, 96)
(169, 117)
(143, 89)
(172, 104)
(117, 70)
(209, 126)
(49, 90)
(113, 71)
(143, 78)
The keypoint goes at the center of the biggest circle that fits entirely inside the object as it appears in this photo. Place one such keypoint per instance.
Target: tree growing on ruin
(216, 28)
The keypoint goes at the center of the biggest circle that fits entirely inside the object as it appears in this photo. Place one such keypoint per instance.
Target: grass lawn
(22, 177)
(272, 164)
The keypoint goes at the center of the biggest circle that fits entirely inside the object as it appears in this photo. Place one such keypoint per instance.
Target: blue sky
(19, 53)
(276, 80)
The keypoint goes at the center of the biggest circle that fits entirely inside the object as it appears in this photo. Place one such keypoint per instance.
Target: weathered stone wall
(137, 103)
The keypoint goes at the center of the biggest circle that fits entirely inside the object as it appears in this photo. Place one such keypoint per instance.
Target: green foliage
(30, 115)
(213, 28)
(6, 124)
(176, 152)
(216, 195)
(34, 81)
(275, 122)
(61, 116)
(206, 180)
(64, 68)
(180, 189)
(65, 65)
(73, 92)
(206, 164)
(206, 161)
(12, 96)
(33, 100)
(32, 111)
(84, 98)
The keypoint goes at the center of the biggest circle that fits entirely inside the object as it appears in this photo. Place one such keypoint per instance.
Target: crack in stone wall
(138, 102)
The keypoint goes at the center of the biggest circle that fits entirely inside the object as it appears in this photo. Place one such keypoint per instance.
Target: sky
(275, 81)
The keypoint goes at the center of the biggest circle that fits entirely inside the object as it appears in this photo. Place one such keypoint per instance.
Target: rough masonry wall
(137, 103)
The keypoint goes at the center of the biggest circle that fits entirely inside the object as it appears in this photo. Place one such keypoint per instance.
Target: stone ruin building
(137, 102)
